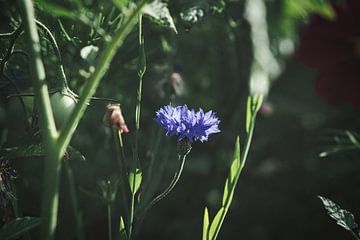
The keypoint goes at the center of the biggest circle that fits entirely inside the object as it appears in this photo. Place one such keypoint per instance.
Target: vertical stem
(123, 173)
(48, 128)
(109, 221)
(141, 72)
(132, 213)
(100, 70)
(74, 202)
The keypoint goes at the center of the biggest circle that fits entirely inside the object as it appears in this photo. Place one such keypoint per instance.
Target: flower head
(186, 123)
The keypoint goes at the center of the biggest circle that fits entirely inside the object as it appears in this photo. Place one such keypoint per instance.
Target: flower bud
(62, 103)
(184, 147)
(114, 118)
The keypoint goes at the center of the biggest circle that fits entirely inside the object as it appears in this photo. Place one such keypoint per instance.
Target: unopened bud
(114, 118)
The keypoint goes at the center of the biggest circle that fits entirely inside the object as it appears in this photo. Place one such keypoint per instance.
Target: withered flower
(114, 118)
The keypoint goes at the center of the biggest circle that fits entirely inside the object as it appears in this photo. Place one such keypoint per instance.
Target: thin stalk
(243, 161)
(123, 173)
(109, 221)
(141, 72)
(171, 185)
(94, 80)
(121, 147)
(74, 202)
(48, 128)
(132, 214)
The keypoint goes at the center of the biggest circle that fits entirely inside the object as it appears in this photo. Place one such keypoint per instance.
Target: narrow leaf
(158, 12)
(135, 177)
(258, 100)
(120, 3)
(216, 224)
(343, 217)
(230, 182)
(122, 229)
(18, 227)
(56, 10)
(352, 138)
(206, 225)
(248, 114)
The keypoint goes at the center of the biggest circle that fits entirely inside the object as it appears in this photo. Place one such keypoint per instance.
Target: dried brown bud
(114, 118)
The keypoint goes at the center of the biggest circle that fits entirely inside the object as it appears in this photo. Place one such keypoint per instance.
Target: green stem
(48, 128)
(94, 80)
(243, 160)
(109, 221)
(74, 202)
(122, 168)
(172, 183)
(141, 72)
(170, 187)
(132, 214)
(64, 83)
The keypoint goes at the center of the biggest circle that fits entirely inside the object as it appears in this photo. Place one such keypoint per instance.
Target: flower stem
(74, 202)
(172, 183)
(109, 221)
(132, 214)
(100, 70)
(122, 168)
(141, 72)
(170, 187)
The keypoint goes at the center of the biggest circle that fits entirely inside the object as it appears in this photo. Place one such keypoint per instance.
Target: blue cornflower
(186, 123)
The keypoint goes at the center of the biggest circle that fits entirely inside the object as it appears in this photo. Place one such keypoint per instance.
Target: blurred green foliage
(212, 53)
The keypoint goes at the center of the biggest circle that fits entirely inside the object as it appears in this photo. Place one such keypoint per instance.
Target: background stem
(109, 221)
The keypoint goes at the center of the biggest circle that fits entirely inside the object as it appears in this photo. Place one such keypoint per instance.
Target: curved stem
(94, 80)
(172, 183)
(170, 187)
(64, 83)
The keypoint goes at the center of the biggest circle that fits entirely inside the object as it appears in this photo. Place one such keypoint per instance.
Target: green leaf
(258, 100)
(18, 227)
(235, 170)
(248, 114)
(303, 8)
(122, 229)
(205, 225)
(158, 12)
(120, 3)
(352, 138)
(216, 224)
(343, 217)
(142, 59)
(56, 10)
(135, 177)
